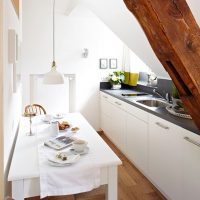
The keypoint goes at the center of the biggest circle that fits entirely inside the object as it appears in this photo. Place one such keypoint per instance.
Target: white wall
(81, 29)
(11, 101)
(73, 33)
(118, 18)
(1, 104)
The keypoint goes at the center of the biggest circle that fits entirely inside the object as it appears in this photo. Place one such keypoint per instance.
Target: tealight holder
(30, 115)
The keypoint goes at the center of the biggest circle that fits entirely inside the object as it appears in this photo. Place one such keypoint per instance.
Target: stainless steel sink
(153, 103)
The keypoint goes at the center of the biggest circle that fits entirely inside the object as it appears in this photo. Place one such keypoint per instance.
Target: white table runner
(76, 178)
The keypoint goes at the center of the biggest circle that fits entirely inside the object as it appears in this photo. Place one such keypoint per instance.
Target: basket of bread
(63, 125)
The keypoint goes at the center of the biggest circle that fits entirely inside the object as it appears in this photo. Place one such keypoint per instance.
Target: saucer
(85, 151)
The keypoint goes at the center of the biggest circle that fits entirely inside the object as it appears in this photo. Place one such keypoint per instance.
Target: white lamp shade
(53, 77)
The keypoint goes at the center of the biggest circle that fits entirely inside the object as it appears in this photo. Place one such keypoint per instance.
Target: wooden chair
(35, 108)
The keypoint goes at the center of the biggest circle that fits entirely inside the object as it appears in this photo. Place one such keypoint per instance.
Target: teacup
(79, 145)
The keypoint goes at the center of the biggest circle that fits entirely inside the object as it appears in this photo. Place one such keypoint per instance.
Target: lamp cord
(53, 65)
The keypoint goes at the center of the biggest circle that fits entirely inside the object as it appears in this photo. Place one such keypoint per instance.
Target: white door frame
(72, 89)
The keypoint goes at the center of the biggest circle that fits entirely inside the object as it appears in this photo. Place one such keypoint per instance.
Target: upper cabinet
(16, 6)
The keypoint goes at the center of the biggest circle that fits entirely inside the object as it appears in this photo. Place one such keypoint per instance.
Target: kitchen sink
(153, 103)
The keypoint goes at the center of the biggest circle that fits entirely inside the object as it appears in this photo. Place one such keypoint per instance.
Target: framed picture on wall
(113, 63)
(103, 63)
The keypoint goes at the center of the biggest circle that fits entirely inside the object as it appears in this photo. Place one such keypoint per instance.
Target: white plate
(71, 158)
(58, 116)
(85, 151)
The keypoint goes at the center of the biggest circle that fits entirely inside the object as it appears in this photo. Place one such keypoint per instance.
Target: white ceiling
(65, 6)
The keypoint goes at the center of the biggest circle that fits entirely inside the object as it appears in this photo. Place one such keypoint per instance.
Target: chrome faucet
(167, 96)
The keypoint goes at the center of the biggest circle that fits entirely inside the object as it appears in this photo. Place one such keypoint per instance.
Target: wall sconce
(85, 53)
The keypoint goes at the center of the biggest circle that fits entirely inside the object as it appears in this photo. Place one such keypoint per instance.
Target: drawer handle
(105, 97)
(119, 104)
(162, 126)
(192, 141)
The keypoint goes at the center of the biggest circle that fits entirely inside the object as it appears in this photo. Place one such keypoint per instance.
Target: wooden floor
(132, 185)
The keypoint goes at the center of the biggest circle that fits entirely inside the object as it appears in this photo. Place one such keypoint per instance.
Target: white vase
(116, 87)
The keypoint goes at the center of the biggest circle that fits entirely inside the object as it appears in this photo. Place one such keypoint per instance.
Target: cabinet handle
(192, 141)
(119, 104)
(162, 125)
(105, 97)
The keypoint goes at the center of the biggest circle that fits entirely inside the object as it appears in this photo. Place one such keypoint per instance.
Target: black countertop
(160, 112)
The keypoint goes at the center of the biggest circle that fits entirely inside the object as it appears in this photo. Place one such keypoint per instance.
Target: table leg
(112, 183)
(18, 190)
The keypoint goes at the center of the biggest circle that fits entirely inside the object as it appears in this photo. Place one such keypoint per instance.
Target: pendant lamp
(53, 76)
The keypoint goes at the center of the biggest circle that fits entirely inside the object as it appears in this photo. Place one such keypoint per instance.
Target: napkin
(82, 176)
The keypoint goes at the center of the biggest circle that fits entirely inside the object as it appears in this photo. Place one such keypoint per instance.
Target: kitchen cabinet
(118, 124)
(166, 153)
(126, 126)
(137, 141)
(165, 157)
(106, 115)
(191, 166)
(113, 120)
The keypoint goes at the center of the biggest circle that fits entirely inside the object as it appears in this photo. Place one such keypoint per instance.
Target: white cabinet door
(118, 127)
(106, 115)
(105, 125)
(191, 166)
(137, 141)
(165, 153)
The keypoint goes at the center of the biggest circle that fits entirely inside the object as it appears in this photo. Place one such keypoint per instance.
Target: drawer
(106, 97)
(118, 103)
(137, 112)
(191, 138)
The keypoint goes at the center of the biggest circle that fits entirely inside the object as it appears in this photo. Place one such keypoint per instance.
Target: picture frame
(103, 63)
(113, 63)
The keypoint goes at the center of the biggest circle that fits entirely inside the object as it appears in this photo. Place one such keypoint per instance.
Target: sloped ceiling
(117, 17)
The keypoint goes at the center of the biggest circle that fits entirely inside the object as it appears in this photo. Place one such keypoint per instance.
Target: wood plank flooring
(132, 185)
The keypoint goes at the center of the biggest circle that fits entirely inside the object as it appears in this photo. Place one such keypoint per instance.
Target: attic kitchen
(124, 122)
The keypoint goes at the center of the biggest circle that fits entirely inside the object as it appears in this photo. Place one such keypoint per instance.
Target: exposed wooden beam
(175, 38)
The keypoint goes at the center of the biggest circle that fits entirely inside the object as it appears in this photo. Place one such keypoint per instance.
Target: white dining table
(24, 170)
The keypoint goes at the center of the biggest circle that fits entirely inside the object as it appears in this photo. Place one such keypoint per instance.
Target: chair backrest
(35, 108)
